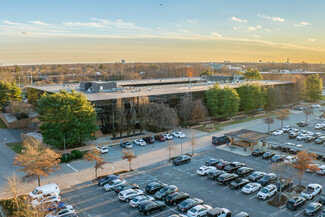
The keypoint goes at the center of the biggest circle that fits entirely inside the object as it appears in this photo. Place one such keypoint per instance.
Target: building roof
(129, 92)
(248, 135)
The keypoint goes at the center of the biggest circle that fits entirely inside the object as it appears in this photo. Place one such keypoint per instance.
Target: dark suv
(267, 179)
(153, 187)
(256, 176)
(149, 139)
(258, 152)
(302, 124)
(268, 155)
(295, 203)
(233, 167)
(222, 165)
(162, 193)
(103, 181)
(214, 174)
(244, 171)
(188, 204)
(238, 183)
(212, 162)
(220, 140)
(148, 207)
(123, 187)
(226, 178)
(182, 159)
(176, 198)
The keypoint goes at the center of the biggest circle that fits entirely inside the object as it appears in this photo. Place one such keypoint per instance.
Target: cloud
(236, 27)
(239, 20)
(10, 23)
(37, 22)
(215, 34)
(183, 30)
(254, 28)
(301, 24)
(276, 19)
(26, 33)
(267, 30)
(311, 40)
(194, 20)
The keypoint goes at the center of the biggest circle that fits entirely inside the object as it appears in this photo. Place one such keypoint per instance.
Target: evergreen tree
(66, 116)
(252, 97)
(9, 92)
(314, 87)
(253, 74)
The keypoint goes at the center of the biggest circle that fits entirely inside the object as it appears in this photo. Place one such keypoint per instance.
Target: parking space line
(299, 212)
(226, 187)
(166, 211)
(252, 197)
(238, 192)
(72, 167)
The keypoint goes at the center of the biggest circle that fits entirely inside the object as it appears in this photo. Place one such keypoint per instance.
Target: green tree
(222, 103)
(314, 87)
(33, 95)
(66, 116)
(252, 97)
(9, 92)
(253, 74)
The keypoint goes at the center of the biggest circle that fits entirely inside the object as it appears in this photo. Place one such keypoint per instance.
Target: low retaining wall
(23, 123)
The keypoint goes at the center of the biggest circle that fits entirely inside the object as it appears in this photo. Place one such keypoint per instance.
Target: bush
(21, 115)
(78, 154)
(73, 156)
(65, 159)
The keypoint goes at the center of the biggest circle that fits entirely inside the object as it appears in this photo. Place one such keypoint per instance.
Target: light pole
(181, 145)
(66, 157)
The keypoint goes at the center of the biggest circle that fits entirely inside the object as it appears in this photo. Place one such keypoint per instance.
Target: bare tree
(281, 169)
(308, 112)
(170, 148)
(95, 156)
(37, 160)
(268, 120)
(162, 115)
(282, 115)
(129, 156)
(191, 110)
(193, 140)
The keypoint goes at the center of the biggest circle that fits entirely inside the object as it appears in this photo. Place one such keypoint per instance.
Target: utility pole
(66, 157)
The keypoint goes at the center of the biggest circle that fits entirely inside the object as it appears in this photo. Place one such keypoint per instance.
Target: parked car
(311, 191)
(312, 209)
(160, 138)
(162, 193)
(321, 199)
(301, 137)
(220, 140)
(129, 194)
(302, 124)
(179, 135)
(139, 142)
(226, 178)
(242, 214)
(202, 171)
(318, 126)
(199, 210)
(168, 136)
(310, 138)
(182, 159)
(293, 135)
(153, 187)
(286, 129)
(176, 198)
(126, 145)
(233, 167)
(149, 139)
(258, 152)
(244, 171)
(103, 181)
(62, 211)
(321, 170)
(267, 192)
(188, 204)
(251, 187)
(222, 165)
(320, 140)
(318, 135)
(268, 155)
(277, 158)
(293, 151)
(285, 184)
(46, 200)
(135, 202)
(277, 133)
(255, 176)
(148, 207)
(113, 183)
(274, 147)
(102, 149)
(212, 162)
(125, 186)
(316, 106)
(295, 203)
(322, 214)
(238, 183)
(300, 108)
(214, 174)
(312, 168)
(267, 179)
(219, 212)
(290, 159)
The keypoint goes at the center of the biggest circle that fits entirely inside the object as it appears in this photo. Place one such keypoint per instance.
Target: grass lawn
(218, 127)
(2, 125)
(16, 147)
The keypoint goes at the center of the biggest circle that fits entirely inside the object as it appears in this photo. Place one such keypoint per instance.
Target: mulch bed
(276, 202)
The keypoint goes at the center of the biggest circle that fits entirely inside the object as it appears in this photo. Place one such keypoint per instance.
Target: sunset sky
(71, 31)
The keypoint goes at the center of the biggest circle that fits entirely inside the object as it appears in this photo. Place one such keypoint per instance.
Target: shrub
(73, 156)
(78, 154)
(65, 159)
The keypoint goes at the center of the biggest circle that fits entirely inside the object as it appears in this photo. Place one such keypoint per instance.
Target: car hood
(159, 194)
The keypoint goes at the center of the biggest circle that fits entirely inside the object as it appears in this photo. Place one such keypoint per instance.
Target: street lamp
(66, 157)
(181, 145)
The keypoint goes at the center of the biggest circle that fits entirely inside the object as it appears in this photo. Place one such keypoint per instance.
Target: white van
(44, 190)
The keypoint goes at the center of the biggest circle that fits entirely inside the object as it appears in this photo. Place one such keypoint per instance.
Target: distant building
(122, 61)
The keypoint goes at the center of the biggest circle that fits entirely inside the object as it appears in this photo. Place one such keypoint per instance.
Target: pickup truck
(311, 191)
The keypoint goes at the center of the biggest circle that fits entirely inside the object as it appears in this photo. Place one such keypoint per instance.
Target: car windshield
(185, 203)
(163, 190)
(135, 199)
(310, 207)
(290, 203)
(35, 191)
(193, 210)
(248, 186)
(265, 191)
(266, 178)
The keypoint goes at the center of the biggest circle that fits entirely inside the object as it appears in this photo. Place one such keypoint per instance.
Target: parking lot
(90, 200)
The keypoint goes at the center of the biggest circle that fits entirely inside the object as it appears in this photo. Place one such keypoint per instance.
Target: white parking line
(252, 197)
(204, 178)
(226, 187)
(238, 192)
(213, 183)
(299, 212)
(72, 167)
(281, 207)
(166, 211)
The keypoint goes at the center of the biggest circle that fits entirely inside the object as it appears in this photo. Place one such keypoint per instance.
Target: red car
(160, 138)
(222, 165)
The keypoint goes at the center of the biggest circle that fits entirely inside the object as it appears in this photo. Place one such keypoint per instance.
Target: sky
(84, 31)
